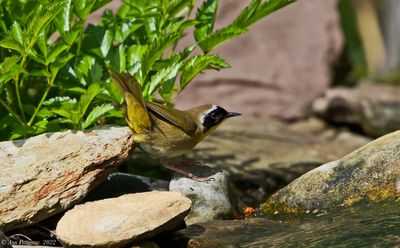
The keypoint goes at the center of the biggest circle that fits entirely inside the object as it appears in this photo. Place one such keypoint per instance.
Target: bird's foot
(190, 175)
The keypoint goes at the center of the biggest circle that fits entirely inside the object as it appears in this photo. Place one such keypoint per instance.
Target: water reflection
(365, 226)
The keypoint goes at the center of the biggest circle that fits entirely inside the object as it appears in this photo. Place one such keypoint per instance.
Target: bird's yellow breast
(166, 140)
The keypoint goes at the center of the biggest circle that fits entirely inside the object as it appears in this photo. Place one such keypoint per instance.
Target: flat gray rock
(370, 174)
(49, 173)
(116, 222)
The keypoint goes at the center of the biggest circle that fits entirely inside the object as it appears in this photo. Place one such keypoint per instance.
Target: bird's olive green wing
(175, 117)
(136, 113)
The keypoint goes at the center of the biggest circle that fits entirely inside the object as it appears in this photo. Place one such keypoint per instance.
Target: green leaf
(40, 127)
(42, 44)
(116, 59)
(135, 54)
(44, 113)
(187, 51)
(154, 52)
(198, 64)
(175, 6)
(36, 56)
(59, 63)
(179, 25)
(106, 43)
(126, 29)
(219, 37)
(167, 90)
(116, 113)
(61, 105)
(16, 33)
(111, 93)
(97, 40)
(7, 121)
(206, 19)
(9, 43)
(64, 17)
(84, 7)
(77, 90)
(44, 15)
(81, 107)
(88, 71)
(62, 112)
(61, 121)
(59, 100)
(256, 10)
(95, 73)
(21, 131)
(70, 36)
(100, 3)
(59, 48)
(96, 113)
(40, 73)
(9, 69)
(9, 63)
(163, 75)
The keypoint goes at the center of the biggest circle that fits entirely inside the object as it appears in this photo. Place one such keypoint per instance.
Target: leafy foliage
(54, 67)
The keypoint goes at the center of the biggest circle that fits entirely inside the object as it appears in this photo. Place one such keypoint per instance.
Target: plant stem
(21, 109)
(79, 45)
(17, 81)
(12, 112)
(39, 106)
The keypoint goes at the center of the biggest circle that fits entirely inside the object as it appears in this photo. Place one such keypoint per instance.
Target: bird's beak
(232, 114)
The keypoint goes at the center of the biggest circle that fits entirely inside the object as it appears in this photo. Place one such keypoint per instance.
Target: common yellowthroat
(166, 132)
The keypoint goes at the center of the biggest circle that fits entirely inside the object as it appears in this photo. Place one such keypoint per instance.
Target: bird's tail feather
(136, 112)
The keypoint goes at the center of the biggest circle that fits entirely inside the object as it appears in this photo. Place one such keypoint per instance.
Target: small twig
(39, 106)
(20, 235)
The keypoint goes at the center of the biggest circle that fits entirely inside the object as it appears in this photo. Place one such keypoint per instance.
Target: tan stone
(116, 222)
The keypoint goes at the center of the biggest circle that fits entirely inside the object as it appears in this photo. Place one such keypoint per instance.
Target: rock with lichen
(46, 174)
(369, 174)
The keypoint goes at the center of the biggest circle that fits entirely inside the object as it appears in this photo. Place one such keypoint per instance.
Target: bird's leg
(190, 163)
(167, 164)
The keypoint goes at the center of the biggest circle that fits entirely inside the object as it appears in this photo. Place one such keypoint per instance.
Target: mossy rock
(369, 174)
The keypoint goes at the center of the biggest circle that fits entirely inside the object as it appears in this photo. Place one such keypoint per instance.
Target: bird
(165, 132)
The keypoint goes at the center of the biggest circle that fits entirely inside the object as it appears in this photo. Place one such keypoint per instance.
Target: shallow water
(366, 226)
